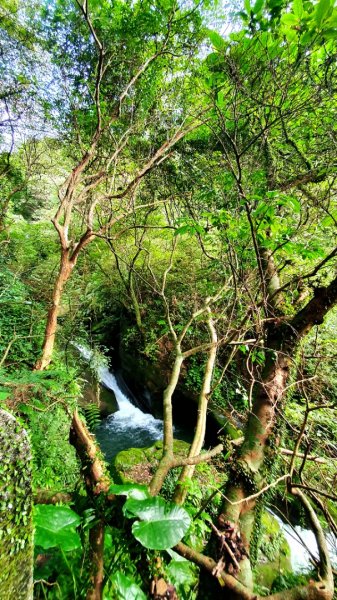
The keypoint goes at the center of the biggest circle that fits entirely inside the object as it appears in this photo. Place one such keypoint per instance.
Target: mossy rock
(228, 429)
(137, 465)
(16, 530)
(274, 554)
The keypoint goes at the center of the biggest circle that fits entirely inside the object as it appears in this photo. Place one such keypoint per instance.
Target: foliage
(161, 525)
(56, 526)
(92, 416)
(123, 587)
(42, 400)
(286, 581)
(21, 327)
(239, 216)
(183, 575)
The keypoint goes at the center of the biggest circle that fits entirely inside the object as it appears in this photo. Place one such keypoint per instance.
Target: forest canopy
(168, 216)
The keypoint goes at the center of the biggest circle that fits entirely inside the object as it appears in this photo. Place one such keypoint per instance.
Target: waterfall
(128, 427)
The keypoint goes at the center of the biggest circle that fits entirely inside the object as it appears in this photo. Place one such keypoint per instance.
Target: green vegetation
(168, 199)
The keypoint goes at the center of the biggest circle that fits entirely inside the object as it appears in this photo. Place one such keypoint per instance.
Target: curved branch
(196, 460)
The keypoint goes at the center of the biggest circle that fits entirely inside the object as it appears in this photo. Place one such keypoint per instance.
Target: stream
(130, 427)
(302, 543)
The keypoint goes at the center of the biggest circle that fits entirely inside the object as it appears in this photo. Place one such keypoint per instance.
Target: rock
(147, 381)
(16, 529)
(138, 464)
(95, 393)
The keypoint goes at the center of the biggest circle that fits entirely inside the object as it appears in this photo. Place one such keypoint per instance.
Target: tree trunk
(166, 460)
(96, 559)
(200, 430)
(246, 477)
(97, 482)
(96, 476)
(66, 266)
(135, 303)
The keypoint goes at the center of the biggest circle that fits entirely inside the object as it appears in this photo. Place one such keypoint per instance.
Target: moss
(274, 554)
(16, 530)
(228, 429)
(138, 464)
(256, 532)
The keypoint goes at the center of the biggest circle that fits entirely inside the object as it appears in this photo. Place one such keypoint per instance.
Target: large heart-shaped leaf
(55, 526)
(162, 524)
(125, 588)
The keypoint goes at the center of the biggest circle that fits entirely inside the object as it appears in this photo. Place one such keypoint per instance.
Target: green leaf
(321, 10)
(289, 19)
(298, 8)
(162, 524)
(221, 99)
(216, 39)
(175, 556)
(55, 527)
(125, 588)
(130, 490)
(181, 573)
(182, 230)
(247, 6)
(330, 34)
(292, 202)
(333, 19)
(257, 6)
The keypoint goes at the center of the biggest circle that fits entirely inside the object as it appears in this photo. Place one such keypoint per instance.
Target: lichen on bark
(16, 530)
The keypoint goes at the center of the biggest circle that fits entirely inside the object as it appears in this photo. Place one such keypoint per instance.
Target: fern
(92, 416)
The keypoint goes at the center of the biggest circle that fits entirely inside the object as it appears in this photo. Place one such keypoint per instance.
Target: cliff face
(147, 380)
(16, 529)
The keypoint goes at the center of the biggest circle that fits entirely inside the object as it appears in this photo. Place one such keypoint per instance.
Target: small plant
(55, 526)
(160, 525)
(288, 580)
(92, 416)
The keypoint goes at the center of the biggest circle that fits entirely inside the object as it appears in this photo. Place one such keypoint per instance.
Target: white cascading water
(299, 540)
(129, 427)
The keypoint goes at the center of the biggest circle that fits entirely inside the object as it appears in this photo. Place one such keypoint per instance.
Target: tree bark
(96, 559)
(66, 267)
(167, 458)
(282, 340)
(68, 261)
(97, 481)
(200, 430)
(95, 473)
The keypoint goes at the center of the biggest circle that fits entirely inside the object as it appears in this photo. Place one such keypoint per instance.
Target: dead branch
(316, 491)
(286, 452)
(322, 590)
(221, 537)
